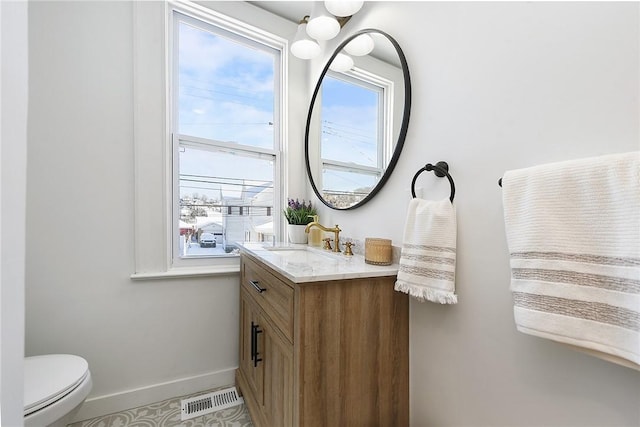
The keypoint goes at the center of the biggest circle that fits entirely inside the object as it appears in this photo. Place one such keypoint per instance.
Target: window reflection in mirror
(353, 144)
(356, 125)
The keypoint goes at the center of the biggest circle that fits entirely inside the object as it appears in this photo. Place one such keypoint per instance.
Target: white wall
(14, 69)
(500, 86)
(144, 340)
(496, 86)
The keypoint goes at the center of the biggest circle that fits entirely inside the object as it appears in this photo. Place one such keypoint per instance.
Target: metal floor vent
(208, 403)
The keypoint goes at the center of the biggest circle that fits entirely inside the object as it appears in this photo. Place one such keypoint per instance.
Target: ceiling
(292, 10)
(296, 10)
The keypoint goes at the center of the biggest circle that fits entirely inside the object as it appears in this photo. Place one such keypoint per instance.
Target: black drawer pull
(256, 286)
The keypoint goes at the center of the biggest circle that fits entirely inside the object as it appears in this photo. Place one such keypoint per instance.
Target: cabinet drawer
(274, 297)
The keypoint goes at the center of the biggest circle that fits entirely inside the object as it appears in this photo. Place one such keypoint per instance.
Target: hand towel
(428, 256)
(573, 232)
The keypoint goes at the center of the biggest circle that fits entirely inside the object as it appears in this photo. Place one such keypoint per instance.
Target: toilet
(54, 387)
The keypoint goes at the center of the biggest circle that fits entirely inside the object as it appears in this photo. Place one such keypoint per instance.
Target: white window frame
(153, 142)
(244, 35)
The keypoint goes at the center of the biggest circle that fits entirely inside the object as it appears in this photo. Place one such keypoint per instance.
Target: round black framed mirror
(357, 120)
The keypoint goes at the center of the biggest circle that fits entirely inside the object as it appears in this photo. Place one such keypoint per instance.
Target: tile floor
(167, 414)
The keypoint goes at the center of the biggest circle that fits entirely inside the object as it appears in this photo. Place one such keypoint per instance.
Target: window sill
(223, 270)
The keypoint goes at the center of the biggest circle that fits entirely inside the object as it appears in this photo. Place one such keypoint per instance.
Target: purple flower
(299, 213)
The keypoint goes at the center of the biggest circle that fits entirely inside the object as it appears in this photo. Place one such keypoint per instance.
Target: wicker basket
(377, 251)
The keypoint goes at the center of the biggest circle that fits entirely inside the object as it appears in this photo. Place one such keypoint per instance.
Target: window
(225, 94)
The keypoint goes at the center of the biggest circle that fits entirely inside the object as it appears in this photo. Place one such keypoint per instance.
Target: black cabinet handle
(253, 340)
(256, 359)
(254, 344)
(256, 286)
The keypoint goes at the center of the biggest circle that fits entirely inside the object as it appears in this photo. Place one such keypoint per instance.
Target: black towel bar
(440, 169)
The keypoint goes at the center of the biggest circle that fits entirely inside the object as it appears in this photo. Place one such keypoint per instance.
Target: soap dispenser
(315, 234)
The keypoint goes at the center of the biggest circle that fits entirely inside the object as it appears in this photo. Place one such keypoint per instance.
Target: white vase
(296, 233)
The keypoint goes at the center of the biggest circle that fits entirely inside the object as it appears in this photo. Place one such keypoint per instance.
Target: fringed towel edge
(426, 294)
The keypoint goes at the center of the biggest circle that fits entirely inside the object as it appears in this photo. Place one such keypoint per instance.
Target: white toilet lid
(48, 378)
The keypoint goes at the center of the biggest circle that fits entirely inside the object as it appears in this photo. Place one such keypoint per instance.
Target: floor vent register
(208, 403)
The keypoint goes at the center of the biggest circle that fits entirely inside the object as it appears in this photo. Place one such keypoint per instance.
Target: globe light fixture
(343, 8)
(322, 25)
(341, 63)
(360, 46)
(303, 46)
(325, 23)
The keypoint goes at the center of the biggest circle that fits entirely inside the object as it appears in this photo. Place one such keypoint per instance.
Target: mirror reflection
(357, 119)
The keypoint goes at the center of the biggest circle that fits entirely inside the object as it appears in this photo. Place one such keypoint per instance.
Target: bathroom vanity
(324, 339)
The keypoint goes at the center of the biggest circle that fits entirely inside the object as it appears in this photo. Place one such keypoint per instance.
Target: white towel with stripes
(428, 256)
(573, 231)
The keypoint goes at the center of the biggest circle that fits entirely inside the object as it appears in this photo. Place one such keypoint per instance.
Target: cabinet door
(249, 338)
(278, 377)
(266, 360)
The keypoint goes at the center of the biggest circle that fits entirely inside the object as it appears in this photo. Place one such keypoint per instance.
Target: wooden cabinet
(331, 353)
(266, 364)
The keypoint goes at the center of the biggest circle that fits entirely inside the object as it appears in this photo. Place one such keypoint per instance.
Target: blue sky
(349, 131)
(226, 89)
(349, 122)
(226, 93)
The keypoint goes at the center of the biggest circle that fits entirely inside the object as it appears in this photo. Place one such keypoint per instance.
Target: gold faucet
(336, 230)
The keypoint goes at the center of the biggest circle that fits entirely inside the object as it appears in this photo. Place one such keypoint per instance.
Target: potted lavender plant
(298, 215)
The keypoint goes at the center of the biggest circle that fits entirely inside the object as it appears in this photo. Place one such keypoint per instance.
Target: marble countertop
(303, 263)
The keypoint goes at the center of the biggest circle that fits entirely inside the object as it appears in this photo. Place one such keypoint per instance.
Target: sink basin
(285, 248)
(288, 252)
(304, 256)
(297, 252)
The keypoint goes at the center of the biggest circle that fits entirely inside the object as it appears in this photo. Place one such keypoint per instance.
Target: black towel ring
(440, 169)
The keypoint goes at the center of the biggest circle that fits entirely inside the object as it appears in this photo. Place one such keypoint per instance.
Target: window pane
(226, 88)
(350, 124)
(226, 194)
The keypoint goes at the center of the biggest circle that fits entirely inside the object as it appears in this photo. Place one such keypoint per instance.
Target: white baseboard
(108, 404)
